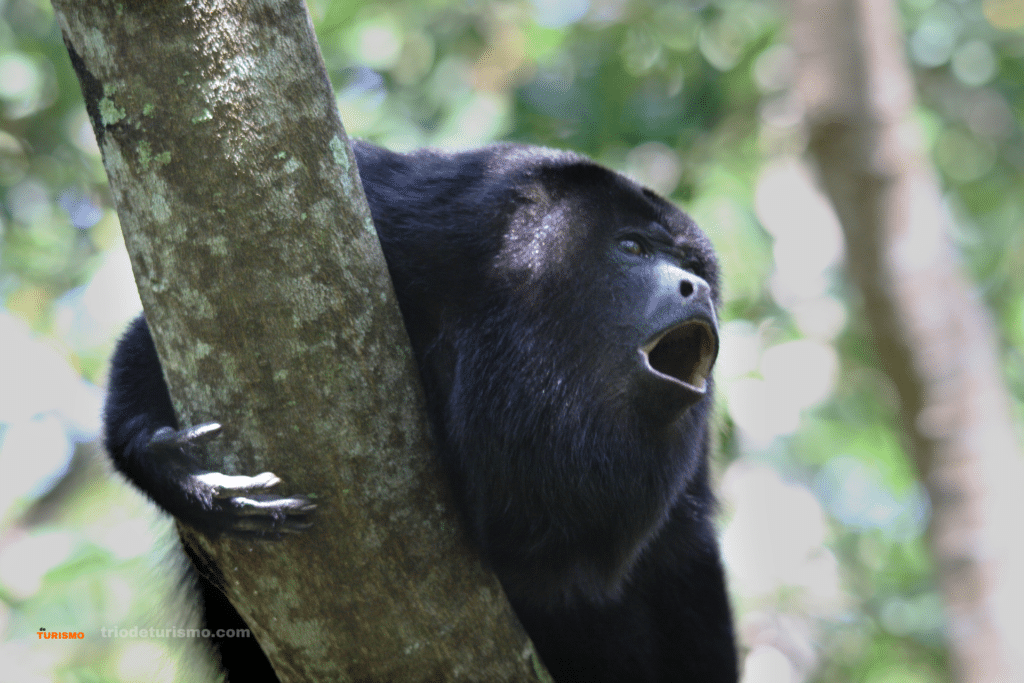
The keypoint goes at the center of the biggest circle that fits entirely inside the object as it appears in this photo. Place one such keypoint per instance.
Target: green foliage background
(822, 515)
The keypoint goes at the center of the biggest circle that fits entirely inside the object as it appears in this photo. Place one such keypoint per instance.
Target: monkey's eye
(632, 246)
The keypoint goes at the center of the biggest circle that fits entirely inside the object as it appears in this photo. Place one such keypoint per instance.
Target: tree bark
(932, 332)
(272, 310)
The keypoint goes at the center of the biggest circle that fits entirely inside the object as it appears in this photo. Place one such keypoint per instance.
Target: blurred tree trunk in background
(931, 330)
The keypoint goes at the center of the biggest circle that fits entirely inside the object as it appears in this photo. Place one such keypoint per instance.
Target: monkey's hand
(233, 504)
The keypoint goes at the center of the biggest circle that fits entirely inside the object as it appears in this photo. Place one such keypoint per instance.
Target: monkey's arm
(147, 446)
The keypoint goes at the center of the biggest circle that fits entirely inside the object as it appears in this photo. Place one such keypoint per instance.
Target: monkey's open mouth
(684, 353)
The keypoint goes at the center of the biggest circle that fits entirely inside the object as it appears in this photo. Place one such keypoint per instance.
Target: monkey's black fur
(563, 319)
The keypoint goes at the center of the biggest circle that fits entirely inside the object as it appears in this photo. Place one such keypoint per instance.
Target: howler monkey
(563, 319)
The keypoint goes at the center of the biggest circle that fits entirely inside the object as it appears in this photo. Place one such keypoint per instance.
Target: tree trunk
(931, 330)
(267, 294)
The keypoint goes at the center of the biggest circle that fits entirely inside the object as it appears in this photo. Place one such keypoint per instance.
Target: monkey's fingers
(269, 514)
(166, 439)
(229, 486)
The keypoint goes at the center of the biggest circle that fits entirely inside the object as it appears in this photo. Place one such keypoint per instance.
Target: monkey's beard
(564, 475)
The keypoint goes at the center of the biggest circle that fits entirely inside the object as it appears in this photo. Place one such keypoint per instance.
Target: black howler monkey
(563, 319)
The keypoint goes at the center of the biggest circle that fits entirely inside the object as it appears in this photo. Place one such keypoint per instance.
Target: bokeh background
(823, 518)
